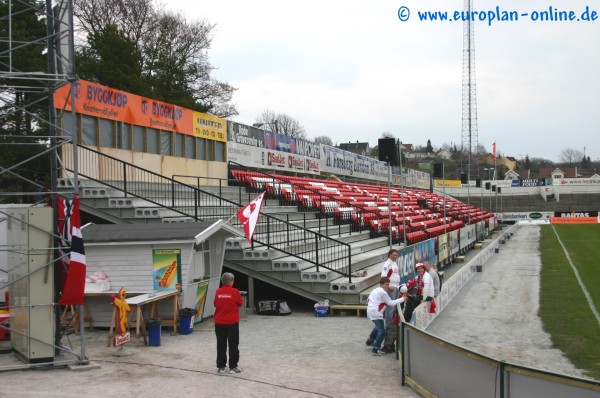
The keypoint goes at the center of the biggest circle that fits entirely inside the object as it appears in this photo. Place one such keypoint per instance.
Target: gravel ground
(304, 356)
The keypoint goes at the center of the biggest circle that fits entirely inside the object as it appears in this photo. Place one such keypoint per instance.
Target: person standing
(424, 283)
(378, 300)
(390, 270)
(432, 271)
(227, 324)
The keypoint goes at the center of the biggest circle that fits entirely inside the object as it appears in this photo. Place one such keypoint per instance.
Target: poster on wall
(200, 300)
(166, 265)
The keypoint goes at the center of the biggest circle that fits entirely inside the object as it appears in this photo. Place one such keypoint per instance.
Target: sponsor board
(246, 135)
(525, 215)
(448, 184)
(575, 214)
(107, 103)
(576, 181)
(121, 339)
(574, 220)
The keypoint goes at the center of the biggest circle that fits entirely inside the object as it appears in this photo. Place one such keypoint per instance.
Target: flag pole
(230, 218)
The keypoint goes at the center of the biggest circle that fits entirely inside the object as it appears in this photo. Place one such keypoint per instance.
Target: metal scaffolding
(26, 93)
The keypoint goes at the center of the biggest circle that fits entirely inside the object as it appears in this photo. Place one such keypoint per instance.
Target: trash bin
(321, 311)
(153, 330)
(243, 307)
(186, 320)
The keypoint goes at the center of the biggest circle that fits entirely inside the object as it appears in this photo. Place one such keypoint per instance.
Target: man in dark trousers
(227, 324)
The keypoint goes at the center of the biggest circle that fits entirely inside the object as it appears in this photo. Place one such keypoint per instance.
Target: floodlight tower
(469, 94)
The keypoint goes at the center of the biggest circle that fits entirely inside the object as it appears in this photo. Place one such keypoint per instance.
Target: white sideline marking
(587, 294)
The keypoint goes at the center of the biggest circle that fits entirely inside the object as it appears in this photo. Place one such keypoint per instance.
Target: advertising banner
(491, 224)
(447, 183)
(575, 214)
(422, 252)
(246, 135)
(104, 102)
(466, 236)
(577, 181)
(525, 215)
(251, 156)
(453, 242)
(442, 248)
(406, 263)
(200, 300)
(574, 220)
(166, 265)
(246, 155)
(540, 182)
(480, 231)
(209, 127)
(472, 235)
(337, 161)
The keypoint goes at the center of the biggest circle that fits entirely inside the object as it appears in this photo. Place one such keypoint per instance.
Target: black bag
(273, 307)
(441, 278)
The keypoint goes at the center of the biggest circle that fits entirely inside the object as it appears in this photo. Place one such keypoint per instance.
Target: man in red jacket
(227, 319)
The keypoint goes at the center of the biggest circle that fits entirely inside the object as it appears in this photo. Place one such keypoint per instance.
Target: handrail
(176, 198)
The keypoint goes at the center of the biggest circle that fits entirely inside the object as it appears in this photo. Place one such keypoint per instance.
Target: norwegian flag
(71, 248)
(494, 150)
(248, 216)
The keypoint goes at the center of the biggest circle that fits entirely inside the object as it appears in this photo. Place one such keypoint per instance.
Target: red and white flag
(494, 150)
(69, 221)
(248, 215)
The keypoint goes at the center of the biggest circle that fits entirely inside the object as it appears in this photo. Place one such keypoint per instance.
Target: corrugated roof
(143, 232)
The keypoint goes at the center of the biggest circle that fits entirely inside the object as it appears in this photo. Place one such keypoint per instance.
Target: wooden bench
(344, 307)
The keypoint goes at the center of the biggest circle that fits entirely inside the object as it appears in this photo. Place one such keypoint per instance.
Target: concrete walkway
(293, 356)
(496, 313)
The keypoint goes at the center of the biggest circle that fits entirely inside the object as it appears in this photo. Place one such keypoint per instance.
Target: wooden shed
(145, 258)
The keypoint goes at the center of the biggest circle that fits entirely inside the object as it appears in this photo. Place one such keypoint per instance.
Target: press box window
(107, 133)
(123, 135)
(152, 143)
(165, 143)
(139, 134)
(89, 130)
(189, 147)
(178, 144)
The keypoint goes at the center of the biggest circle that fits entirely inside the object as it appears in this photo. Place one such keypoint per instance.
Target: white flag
(248, 215)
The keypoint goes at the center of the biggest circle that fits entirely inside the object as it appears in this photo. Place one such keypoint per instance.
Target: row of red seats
(366, 206)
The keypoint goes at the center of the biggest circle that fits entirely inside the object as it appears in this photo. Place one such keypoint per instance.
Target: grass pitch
(564, 309)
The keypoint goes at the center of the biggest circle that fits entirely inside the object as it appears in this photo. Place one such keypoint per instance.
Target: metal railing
(173, 198)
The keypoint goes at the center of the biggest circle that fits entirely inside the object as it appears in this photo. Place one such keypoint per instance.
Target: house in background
(359, 148)
(558, 172)
(443, 153)
(511, 175)
(508, 161)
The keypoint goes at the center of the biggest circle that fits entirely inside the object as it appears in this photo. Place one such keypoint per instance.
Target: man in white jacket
(378, 300)
(390, 269)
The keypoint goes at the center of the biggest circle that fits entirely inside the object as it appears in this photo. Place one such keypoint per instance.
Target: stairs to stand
(266, 264)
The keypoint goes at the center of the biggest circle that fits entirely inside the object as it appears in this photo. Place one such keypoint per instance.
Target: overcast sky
(352, 70)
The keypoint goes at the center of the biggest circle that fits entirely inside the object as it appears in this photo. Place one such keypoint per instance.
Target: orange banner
(101, 101)
(574, 220)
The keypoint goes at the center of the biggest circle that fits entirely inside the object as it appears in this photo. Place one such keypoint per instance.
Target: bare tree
(173, 51)
(570, 156)
(323, 139)
(281, 123)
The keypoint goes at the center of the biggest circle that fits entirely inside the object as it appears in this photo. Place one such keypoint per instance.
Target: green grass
(564, 309)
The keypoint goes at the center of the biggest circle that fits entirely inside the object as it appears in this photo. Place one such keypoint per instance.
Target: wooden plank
(343, 307)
